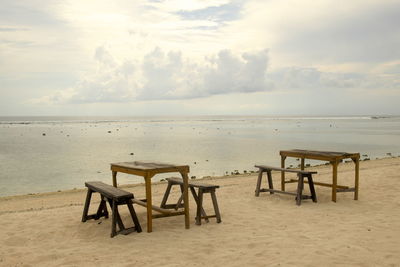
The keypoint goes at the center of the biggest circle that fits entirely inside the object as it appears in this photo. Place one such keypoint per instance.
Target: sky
(199, 57)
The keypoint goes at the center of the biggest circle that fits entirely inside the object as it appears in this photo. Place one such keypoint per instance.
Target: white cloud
(313, 79)
(187, 5)
(160, 75)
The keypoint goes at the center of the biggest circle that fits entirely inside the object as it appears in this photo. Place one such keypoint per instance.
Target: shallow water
(40, 154)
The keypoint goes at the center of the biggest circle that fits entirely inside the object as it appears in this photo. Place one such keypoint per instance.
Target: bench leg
(119, 220)
(196, 199)
(114, 218)
(134, 217)
(199, 206)
(312, 189)
(215, 204)
(270, 184)
(87, 203)
(166, 195)
(102, 210)
(179, 203)
(299, 189)
(258, 186)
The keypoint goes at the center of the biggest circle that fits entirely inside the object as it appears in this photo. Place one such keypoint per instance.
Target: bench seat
(115, 197)
(300, 183)
(198, 197)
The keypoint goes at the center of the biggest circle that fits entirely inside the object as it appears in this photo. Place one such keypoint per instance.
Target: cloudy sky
(199, 57)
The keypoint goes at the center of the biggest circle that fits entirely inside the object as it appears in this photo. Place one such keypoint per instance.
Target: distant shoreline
(100, 119)
(204, 178)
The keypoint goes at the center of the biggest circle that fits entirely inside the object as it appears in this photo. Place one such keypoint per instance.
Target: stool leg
(134, 217)
(87, 203)
(312, 189)
(215, 204)
(196, 199)
(271, 185)
(166, 195)
(199, 206)
(258, 186)
(299, 189)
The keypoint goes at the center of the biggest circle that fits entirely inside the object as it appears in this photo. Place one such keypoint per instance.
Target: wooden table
(147, 170)
(334, 158)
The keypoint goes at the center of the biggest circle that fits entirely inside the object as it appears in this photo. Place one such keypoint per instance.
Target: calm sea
(41, 154)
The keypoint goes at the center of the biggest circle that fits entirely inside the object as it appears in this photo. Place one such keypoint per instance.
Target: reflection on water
(39, 154)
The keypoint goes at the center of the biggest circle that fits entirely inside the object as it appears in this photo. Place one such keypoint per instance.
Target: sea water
(41, 154)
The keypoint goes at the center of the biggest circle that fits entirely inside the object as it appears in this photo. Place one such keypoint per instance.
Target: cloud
(315, 33)
(225, 12)
(366, 36)
(28, 13)
(163, 75)
(313, 79)
(306, 78)
(12, 29)
(187, 5)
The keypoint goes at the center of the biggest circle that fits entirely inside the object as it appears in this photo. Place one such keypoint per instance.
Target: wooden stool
(115, 197)
(300, 183)
(198, 197)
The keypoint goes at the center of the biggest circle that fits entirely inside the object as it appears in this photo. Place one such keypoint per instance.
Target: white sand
(45, 229)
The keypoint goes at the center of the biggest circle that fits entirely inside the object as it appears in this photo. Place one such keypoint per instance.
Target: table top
(318, 155)
(143, 167)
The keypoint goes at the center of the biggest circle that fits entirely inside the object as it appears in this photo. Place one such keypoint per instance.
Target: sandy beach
(270, 230)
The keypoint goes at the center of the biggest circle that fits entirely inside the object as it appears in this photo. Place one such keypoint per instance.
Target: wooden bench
(115, 197)
(198, 197)
(300, 183)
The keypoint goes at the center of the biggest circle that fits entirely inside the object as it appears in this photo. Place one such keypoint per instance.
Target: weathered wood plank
(108, 190)
(144, 204)
(266, 167)
(142, 167)
(278, 191)
(318, 155)
(176, 180)
(173, 213)
(340, 190)
(318, 183)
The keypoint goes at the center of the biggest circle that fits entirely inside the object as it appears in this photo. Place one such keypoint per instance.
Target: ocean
(43, 154)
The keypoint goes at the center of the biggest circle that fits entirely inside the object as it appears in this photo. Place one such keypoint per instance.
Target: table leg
(283, 158)
(186, 199)
(114, 178)
(357, 171)
(334, 180)
(149, 204)
(302, 164)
